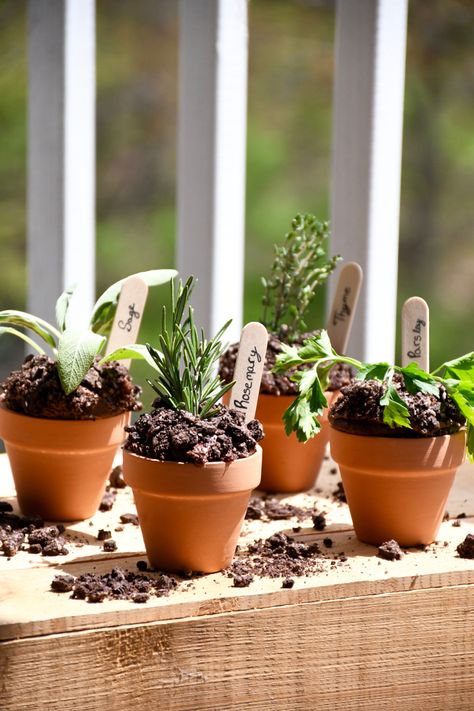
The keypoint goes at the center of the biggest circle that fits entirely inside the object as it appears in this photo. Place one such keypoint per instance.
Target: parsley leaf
(395, 413)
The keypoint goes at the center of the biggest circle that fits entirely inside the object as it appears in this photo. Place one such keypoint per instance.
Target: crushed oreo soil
(35, 390)
(339, 494)
(390, 550)
(116, 479)
(108, 500)
(466, 548)
(117, 585)
(272, 509)
(28, 533)
(179, 436)
(273, 384)
(277, 556)
(358, 411)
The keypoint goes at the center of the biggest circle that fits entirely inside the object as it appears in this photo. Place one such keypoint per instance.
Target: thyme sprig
(185, 361)
(299, 268)
(457, 376)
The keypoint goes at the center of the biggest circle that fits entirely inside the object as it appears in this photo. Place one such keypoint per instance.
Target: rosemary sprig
(301, 417)
(185, 361)
(299, 267)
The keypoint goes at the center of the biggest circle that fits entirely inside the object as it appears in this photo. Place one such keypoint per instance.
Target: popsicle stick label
(344, 305)
(248, 369)
(128, 316)
(416, 333)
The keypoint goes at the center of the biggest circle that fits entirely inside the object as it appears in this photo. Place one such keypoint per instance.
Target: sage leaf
(62, 307)
(104, 308)
(135, 351)
(42, 328)
(76, 353)
(19, 334)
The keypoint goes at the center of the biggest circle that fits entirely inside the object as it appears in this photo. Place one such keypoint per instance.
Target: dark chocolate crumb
(116, 479)
(456, 523)
(466, 548)
(142, 565)
(110, 545)
(319, 522)
(390, 550)
(328, 542)
(129, 518)
(63, 583)
(461, 515)
(103, 534)
(287, 583)
(5, 506)
(108, 501)
(242, 581)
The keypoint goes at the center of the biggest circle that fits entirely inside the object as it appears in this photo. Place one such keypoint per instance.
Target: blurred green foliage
(289, 137)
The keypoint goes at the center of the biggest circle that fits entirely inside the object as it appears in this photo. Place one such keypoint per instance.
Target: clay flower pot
(191, 517)
(60, 467)
(396, 487)
(289, 466)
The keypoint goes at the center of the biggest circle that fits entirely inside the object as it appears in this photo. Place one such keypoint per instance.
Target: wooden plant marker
(248, 369)
(416, 333)
(128, 315)
(344, 305)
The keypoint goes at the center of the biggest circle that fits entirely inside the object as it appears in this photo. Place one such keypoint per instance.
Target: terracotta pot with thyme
(62, 417)
(397, 433)
(300, 268)
(191, 462)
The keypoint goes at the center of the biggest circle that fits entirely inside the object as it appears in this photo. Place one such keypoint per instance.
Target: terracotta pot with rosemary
(397, 433)
(300, 268)
(191, 462)
(62, 417)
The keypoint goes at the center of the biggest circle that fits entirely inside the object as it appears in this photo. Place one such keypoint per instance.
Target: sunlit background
(289, 144)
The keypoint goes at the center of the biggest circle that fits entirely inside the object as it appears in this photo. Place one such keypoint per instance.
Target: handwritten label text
(253, 359)
(417, 339)
(132, 314)
(345, 310)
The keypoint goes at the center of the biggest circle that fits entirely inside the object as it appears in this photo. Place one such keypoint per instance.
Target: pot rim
(166, 477)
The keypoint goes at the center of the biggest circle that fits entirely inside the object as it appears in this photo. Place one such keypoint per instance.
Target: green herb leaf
(372, 371)
(62, 307)
(134, 351)
(395, 412)
(76, 353)
(19, 334)
(40, 327)
(317, 347)
(288, 358)
(470, 442)
(104, 308)
(300, 419)
(417, 380)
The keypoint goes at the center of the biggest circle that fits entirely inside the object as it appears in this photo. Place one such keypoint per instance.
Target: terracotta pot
(191, 517)
(397, 488)
(289, 466)
(60, 467)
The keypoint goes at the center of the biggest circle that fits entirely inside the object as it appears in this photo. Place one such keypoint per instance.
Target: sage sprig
(75, 349)
(299, 268)
(457, 376)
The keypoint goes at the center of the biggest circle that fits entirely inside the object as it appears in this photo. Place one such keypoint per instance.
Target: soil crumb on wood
(35, 390)
(119, 584)
(180, 436)
(271, 509)
(277, 556)
(466, 548)
(390, 550)
(28, 533)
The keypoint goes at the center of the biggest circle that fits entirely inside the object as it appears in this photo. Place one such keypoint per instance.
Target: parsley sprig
(457, 376)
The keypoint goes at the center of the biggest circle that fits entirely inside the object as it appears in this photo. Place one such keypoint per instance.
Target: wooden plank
(61, 155)
(364, 653)
(212, 157)
(367, 149)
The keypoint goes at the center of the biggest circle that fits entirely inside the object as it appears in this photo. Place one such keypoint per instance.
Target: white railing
(368, 100)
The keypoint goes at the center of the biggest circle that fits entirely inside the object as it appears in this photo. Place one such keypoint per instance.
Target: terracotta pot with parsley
(300, 267)
(62, 417)
(191, 462)
(398, 434)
